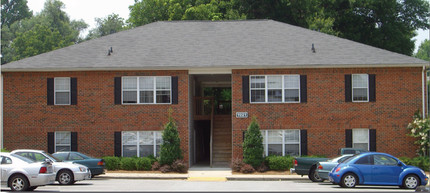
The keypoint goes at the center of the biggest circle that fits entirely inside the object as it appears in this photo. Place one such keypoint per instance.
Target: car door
(5, 167)
(364, 166)
(385, 170)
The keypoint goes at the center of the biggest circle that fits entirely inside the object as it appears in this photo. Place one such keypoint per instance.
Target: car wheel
(18, 183)
(410, 182)
(31, 188)
(348, 180)
(65, 177)
(313, 176)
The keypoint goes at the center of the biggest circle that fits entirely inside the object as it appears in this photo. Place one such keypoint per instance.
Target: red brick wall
(28, 118)
(326, 115)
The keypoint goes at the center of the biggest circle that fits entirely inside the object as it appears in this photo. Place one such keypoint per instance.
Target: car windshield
(22, 158)
(52, 157)
(61, 156)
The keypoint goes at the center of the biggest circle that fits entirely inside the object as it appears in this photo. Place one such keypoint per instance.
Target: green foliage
(253, 145)
(171, 146)
(14, 10)
(4, 150)
(406, 160)
(112, 162)
(143, 163)
(111, 24)
(128, 163)
(419, 128)
(421, 162)
(280, 163)
(424, 50)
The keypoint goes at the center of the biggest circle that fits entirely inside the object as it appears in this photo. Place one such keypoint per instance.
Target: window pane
(292, 81)
(146, 82)
(258, 82)
(364, 146)
(365, 160)
(274, 95)
(146, 138)
(129, 82)
(158, 137)
(360, 80)
(158, 149)
(360, 136)
(129, 97)
(62, 98)
(360, 94)
(291, 95)
(292, 149)
(292, 136)
(258, 96)
(62, 148)
(163, 82)
(163, 96)
(62, 84)
(384, 160)
(275, 149)
(274, 136)
(146, 96)
(129, 150)
(129, 138)
(62, 138)
(274, 82)
(146, 150)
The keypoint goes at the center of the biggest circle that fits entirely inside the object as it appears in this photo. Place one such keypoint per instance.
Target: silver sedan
(22, 174)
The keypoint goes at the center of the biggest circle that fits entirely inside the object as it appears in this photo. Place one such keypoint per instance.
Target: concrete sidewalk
(201, 174)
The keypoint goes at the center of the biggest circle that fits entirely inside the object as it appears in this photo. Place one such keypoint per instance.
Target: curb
(145, 177)
(228, 178)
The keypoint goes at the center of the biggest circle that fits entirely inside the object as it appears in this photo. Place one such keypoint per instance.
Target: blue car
(374, 168)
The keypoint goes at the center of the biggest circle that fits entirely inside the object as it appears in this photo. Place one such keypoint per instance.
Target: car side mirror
(47, 161)
(399, 164)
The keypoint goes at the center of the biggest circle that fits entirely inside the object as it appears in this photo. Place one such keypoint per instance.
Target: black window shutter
(372, 88)
(50, 91)
(304, 142)
(74, 141)
(245, 89)
(348, 88)
(372, 140)
(175, 90)
(243, 134)
(51, 141)
(117, 144)
(117, 85)
(303, 89)
(348, 138)
(74, 91)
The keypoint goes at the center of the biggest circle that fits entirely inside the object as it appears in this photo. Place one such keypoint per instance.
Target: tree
(14, 10)
(424, 50)
(171, 146)
(419, 128)
(111, 24)
(253, 145)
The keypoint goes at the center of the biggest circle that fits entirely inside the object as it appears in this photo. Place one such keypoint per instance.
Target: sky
(88, 10)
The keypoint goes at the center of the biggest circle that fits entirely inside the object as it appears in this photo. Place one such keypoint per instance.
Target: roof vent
(110, 51)
(313, 48)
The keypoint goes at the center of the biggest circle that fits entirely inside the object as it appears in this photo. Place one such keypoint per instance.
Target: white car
(66, 173)
(22, 174)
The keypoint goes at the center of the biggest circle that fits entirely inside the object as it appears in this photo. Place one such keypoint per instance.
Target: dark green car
(96, 165)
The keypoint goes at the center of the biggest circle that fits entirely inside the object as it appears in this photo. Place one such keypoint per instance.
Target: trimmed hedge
(279, 163)
(112, 163)
(143, 163)
(129, 163)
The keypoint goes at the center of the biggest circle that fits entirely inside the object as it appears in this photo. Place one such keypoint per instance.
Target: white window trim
(154, 144)
(368, 137)
(283, 143)
(266, 89)
(352, 88)
(138, 90)
(69, 90)
(55, 140)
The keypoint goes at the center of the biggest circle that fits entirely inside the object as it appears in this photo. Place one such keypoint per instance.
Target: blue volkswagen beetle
(374, 168)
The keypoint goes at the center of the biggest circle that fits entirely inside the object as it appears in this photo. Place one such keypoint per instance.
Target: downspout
(424, 83)
(1, 109)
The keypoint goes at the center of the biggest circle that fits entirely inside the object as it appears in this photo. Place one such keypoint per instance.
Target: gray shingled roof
(208, 44)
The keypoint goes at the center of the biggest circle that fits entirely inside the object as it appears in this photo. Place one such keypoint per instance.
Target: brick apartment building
(311, 93)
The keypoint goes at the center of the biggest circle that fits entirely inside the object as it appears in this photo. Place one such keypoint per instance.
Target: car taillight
(320, 167)
(337, 170)
(101, 163)
(43, 170)
(295, 162)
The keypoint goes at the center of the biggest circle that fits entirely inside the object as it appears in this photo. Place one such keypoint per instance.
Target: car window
(28, 155)
(384, 160)
(366, 160)
(61, 156)
(22, 158)
(6, 160)
(74, 156)
(343, 159)
(39, 157)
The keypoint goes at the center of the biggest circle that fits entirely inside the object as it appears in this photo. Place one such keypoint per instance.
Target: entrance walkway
(204, 173)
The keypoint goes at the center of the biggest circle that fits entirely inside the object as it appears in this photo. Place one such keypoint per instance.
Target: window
(63, 141)
(281, 142)
(360, 88)
(275, 89)
(141, 143)
(366, 160)
(62, 91)
(384, 160)
(360, 138)
(146, 90)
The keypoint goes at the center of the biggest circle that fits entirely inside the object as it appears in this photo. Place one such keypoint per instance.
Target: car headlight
(83, 169)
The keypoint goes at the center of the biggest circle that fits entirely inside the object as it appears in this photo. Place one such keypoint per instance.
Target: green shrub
(4, 150)
(112, 162)
(171, 146)
(280, 163)
(143, 163)
(406, 160)
(128, 163)
(253, 145)
(421, 162)
(153, 159)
